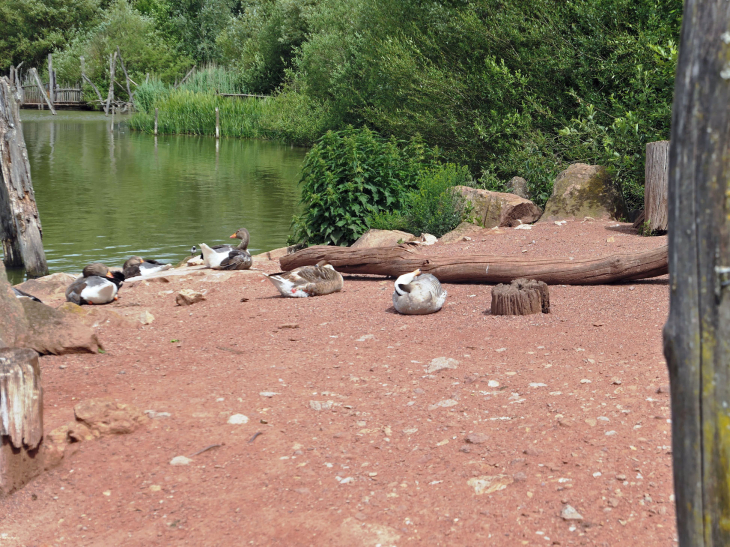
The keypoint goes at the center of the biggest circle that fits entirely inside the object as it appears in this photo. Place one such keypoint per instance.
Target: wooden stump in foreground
(21, 418)
(521, 297)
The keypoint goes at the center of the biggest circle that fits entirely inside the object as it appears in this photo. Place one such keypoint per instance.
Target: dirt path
(359, 443)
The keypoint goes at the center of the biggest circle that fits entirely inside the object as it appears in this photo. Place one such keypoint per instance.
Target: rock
(238, 419)
(442, 363)
(268, 393)
(187, 297)
(477, 438)
(320, 405)
(465, 229)
(427, 239)
(107, 417)
(489, 484)
(569, 513)
(518, 186)
(194, 261)
(382, 238)
(154, 415)
(443, 404)
(498, 208)
(584, 190)
(95, 316)
(48, 287)
(13, 323)
(77, 432)
(493, 383)
(519, 476)
(146, 317)
(56, 332)
(180, 460)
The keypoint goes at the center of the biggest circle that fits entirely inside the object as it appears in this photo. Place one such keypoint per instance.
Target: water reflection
(103, 196)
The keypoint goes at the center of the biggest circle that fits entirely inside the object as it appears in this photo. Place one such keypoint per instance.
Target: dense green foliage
(432, 207)
(351, 175)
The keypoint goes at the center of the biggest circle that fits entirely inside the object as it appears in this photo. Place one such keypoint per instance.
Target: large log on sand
(395, 261)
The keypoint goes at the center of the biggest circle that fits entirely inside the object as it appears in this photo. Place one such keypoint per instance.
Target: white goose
(308, 281)
(418, 294)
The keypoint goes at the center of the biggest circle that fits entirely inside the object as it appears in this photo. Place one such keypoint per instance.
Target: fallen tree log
(395, 261)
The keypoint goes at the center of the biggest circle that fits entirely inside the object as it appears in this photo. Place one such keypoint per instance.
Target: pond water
(104, 195)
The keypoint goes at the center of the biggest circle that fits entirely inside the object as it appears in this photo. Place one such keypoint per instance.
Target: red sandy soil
(383, 466)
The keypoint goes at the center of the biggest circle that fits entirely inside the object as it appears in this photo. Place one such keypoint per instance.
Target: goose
(22, 294)
(228, 257)
(308, 281)
(138, 266)
(418, 294)
(97, 285)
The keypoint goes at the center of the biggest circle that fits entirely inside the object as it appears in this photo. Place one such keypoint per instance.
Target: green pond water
(104, 195)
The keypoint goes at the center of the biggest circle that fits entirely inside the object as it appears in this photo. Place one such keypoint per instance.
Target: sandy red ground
(578, 417)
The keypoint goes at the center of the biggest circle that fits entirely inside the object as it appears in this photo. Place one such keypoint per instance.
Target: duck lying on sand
(308, 281)
(97, 285)
(138, 266)
(418, 294)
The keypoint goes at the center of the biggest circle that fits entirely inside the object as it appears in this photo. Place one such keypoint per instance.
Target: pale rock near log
(382, 238)
(493, 209)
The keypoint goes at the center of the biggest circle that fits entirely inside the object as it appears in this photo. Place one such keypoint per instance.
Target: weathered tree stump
(21, 418)
(20, 225)
(656, 186)
(521, 297)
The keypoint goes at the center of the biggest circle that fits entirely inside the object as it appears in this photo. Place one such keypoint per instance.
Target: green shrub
(433, 207)
(350, 176)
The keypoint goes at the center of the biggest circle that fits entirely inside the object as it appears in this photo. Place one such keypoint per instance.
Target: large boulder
(48, 287)
(382, 238)
(518, 186)
(584, 191)
(493, 209)
(56, 332)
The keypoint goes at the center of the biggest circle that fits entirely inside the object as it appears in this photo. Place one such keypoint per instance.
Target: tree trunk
(126, 76)
(21, 409)
(112, 70)
(395, 261)
(20, 225)
(656, 184)
(698, 329)
(521, 297)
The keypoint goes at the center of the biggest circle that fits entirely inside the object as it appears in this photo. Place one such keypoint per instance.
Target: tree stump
(656, 186)
(21, 418)
(521, 297)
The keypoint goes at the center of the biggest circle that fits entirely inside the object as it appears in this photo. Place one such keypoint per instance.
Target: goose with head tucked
(418, 294)
(308, 281)
(97, 285)
(137, 266)
(228, 257)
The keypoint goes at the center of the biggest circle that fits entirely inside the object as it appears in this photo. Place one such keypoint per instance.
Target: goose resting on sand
(97, 285)
(308, 281)
(138, 266)
(418, 294)
(228, 257)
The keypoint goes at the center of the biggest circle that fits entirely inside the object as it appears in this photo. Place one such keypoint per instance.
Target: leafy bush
(433, 207)
(352, 175)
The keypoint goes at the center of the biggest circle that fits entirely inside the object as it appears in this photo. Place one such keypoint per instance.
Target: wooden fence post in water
(697, 333)
(20, 225)
(51, 86)
(112, 70)
(156, 113)
(38, 82)
(217, 123)
(656, 182)
(21, 409)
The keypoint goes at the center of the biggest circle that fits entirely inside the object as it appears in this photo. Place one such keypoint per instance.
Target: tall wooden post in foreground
(697, 334)
(20, 225)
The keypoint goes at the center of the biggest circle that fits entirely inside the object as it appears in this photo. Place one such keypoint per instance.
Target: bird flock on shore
(415, 293)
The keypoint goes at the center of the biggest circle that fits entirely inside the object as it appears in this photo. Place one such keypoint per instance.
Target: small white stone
(597, 474)
(180, 460)
(268, 393)
(442, 363)
(537, 384)
(569, 513)
(585, 381)
(493, 383)
(610, 433)
(238, 419)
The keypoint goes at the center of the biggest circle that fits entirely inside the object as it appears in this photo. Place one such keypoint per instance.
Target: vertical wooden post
(112, 69)
(21, 409)
(111, 125)
(20, 225)
(38, 82)
(217, 124)
(12, 75)
(156, 113)
(656, 184)
(697, 333)
(51, 87)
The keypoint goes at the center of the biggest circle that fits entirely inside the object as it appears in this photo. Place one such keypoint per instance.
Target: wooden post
(217, 124)
(20, 225)
(156, 113)
(38, 82)
(87, 80)
(51, 87)
(697, 333)
(21, 426)
(111, 125)
(112, 70)
(656, 184)
(521, 297)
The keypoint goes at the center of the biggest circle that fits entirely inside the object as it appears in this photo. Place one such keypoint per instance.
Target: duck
(308, 281)
(228, 257)
(97, 285)
(22, 294)
(418, 294)
(137, 266)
